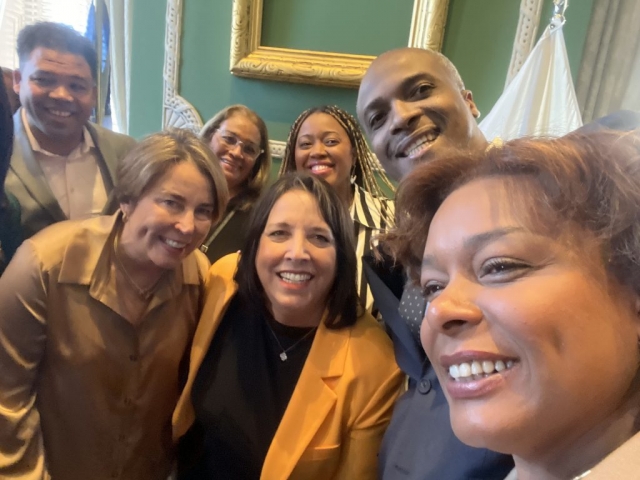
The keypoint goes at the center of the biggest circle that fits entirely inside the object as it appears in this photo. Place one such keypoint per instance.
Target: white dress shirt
(75, 179)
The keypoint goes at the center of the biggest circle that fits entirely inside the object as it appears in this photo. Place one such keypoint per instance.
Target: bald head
(413, 106)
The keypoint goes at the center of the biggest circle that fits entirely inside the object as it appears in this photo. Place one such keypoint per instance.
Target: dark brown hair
(585, 181)
(342, 303)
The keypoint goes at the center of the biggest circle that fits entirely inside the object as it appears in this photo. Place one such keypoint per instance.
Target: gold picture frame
(250, 59)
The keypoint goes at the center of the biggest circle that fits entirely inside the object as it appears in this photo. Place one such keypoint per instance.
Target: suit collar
(83, 147)
(312, 393)
(25, 166)
(220, 289)
(104, 150)
(29, 172)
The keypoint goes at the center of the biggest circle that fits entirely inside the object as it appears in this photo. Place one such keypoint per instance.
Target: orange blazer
(340, 407)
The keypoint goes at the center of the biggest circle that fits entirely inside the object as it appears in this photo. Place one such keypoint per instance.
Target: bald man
(414, 107)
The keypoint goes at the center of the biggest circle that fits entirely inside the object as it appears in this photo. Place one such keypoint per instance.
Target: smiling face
(324, 149)
(524, 333)
(57, 92)
(414, 109)
(237, 159)
(170, 220)
(296, 260)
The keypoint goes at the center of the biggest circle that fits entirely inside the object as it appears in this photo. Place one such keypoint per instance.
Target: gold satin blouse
(83, 393)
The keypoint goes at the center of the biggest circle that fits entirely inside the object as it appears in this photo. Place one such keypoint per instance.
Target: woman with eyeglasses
(238, 137)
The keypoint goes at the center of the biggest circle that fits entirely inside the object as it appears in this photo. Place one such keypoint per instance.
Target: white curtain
(15, 14)
(609, 76)
(120, 16)
(540, 100)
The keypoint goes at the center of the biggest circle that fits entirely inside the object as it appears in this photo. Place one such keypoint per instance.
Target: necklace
(144, 294)
(283, 354)
(205, 246)
(582, 475)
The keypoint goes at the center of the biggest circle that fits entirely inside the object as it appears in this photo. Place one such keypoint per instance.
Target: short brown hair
(259, 176)
(156, 154)
(588, 181)
(342, 304)
(59, 37)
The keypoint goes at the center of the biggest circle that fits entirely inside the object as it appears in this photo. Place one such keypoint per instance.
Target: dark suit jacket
(419, 443)
(26, 180)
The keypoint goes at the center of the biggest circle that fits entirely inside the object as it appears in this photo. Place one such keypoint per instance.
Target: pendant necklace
(283, 354)
(144, 294)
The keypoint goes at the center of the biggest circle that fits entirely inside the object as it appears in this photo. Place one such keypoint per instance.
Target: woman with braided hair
(327, 141)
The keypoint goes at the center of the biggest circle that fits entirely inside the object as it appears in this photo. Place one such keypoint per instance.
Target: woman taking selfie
(327, 142)
(238, 137)
(96, 317)
(287, 379)
(531, 270)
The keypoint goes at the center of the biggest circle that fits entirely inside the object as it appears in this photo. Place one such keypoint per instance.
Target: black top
(228, 235)
(240, 394)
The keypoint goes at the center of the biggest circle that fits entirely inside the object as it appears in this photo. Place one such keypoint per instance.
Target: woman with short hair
(288, 378)
(96, 318)
(529, 258)
(239, 138)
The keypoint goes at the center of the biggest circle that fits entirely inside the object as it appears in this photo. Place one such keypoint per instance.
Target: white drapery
(15, 14)
(540, 100)
(609, 76)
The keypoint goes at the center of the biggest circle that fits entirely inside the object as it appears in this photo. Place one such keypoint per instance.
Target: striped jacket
(367, 222)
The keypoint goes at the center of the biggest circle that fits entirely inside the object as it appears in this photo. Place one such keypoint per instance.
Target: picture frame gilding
(251, 60)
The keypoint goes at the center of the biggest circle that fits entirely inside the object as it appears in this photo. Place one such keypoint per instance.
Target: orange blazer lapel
(310, 404)
(220, 288)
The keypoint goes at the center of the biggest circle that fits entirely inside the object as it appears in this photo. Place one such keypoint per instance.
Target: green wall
(478, 39)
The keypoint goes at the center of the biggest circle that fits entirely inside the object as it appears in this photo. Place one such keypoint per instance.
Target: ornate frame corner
(176, 111)
(249, 59)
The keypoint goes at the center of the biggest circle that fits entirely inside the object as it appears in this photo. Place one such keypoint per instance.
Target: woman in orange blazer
(288, 379)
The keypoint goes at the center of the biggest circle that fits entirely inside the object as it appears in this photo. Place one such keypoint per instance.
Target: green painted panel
(353, 26)
(207, 83)
(147, 56)
(478, 38)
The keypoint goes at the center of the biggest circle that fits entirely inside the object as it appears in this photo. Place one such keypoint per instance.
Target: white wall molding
(176, 111)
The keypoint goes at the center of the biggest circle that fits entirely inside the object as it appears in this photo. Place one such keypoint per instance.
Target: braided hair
(366, 165)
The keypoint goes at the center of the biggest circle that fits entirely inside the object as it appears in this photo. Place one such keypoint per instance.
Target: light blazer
(340, 407)
(26, 180)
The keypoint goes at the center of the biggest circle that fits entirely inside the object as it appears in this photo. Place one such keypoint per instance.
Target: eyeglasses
(249, 150)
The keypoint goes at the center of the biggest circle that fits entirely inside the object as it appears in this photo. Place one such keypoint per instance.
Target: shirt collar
(85, 145)
(365, 209)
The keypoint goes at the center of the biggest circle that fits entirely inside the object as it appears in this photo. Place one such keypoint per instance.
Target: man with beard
(62, 166)
(414, 107)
